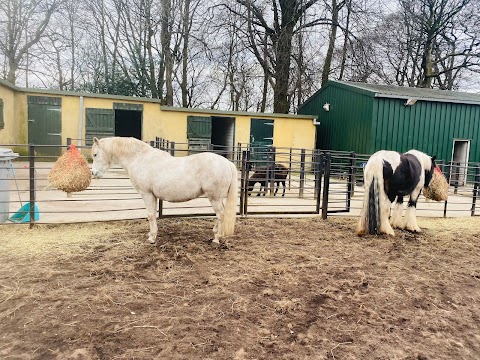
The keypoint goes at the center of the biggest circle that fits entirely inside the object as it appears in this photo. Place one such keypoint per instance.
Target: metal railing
(317, 182)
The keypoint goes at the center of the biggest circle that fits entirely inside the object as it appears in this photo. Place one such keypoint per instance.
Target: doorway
(128, 123)
(223, 136)
(460, 154)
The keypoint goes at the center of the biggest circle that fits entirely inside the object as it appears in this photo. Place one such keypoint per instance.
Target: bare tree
(24, 25)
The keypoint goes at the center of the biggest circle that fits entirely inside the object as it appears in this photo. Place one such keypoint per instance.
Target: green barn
(365, 118)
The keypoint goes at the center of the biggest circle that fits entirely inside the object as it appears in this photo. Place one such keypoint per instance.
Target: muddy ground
(279, 289)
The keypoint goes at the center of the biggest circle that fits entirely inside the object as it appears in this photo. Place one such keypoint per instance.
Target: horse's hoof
(215, 243)
(152, 241)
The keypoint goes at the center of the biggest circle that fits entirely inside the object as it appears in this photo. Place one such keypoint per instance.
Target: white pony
(155, 174)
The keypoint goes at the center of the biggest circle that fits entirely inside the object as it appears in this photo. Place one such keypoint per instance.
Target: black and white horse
(390, 175)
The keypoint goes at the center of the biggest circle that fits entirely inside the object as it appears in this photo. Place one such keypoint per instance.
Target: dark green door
(45, 124)
(99, 123)
(261, 139)
(199, 132)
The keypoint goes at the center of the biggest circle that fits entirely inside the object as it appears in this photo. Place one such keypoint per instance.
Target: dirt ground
(278, 289)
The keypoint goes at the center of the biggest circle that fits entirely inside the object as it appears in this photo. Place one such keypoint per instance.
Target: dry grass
(279, 289)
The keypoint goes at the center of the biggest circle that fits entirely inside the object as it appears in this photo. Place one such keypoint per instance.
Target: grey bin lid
(7, 154)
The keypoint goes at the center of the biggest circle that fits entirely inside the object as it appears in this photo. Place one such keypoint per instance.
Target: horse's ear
(95, 141)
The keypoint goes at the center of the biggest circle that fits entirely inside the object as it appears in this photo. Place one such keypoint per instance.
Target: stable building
(365, 118)
(45, 117)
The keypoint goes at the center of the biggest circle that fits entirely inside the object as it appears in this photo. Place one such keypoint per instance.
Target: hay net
(437, 190)
(71, 172)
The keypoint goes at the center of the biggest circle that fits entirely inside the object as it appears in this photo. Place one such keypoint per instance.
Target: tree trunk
(331, 43)
(186, 34)
(166, 37)
(283, 51)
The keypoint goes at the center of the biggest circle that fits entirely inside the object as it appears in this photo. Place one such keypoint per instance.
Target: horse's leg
(277, 185)
(385, 205)
(396, 220)
(219, 209)
(264, 184)
(284, 186)
(151, 204)
(410, 215)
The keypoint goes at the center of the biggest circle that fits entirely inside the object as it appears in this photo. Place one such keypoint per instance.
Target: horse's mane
(118, 146)
(424, 159)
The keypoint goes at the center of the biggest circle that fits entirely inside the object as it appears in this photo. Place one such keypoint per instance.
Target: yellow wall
(169, 124)
(8, 133)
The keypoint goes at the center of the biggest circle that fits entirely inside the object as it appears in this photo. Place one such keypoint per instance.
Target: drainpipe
(80, 122)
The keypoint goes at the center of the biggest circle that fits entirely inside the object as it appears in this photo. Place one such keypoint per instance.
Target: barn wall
(427, 126)
(347, 125)
(165, 122)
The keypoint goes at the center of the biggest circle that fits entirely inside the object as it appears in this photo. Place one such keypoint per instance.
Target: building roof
(401, 92)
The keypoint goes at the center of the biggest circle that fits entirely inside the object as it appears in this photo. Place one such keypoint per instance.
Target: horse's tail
(231, 204)
(370, 220)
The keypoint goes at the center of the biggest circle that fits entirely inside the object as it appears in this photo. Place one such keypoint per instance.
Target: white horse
(155, 174)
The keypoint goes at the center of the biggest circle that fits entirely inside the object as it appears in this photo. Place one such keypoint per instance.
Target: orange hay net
(70, 172)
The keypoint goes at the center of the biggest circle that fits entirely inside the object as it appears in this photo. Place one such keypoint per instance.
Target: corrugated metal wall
(347, 126)
(427, 126)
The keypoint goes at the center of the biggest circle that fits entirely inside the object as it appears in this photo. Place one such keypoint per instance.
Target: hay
(437, 190)
(70, 172)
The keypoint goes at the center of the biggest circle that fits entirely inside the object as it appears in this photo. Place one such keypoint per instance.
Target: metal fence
(317, 182)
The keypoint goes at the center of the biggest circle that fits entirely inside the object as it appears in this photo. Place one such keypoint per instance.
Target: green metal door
(45, 124)
(99, 123)
(261, 139)
(199, 132)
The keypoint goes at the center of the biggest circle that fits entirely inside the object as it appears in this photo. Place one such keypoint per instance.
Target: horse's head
(429, 172)
(101, 159)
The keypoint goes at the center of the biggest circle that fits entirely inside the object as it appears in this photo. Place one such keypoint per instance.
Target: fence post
(245, 192)
(172, 148)
(318, 178)
(31, 160)
(476, 184)
(302, 173)
(271, 170)
(157, 142)
(326, 185)
(152, 143)
(290, 169)
(351, 180)
(69, 142)
(243, 181)
(449, 172)
(456, 177)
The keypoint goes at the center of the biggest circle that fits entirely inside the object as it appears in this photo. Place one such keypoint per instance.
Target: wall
(427, 126)
(9, 132)
(166, 122)
(347, 125)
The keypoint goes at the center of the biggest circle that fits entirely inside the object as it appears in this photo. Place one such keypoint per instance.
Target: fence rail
(317, 182)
